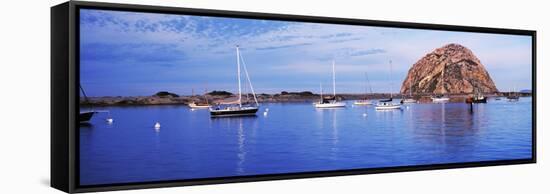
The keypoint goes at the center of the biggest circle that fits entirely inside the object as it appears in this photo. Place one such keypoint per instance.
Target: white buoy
(192, 109)
(109, 120)
(407, 107)
(266, 109)
(157, 125)
(364, 114)
(265, 113)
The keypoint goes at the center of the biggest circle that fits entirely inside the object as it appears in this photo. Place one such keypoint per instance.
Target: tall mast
(366, 85)
(321, 89)
(333, 80)
(391, 82)
(239, 74)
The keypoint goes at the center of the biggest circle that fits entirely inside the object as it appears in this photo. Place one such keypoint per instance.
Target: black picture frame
(65, 79)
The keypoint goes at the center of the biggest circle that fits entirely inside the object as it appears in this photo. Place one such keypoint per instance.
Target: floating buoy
(157, 125)
(192, 109)
(364, 114)
(109, 120)
(266, 109)
(407, 107)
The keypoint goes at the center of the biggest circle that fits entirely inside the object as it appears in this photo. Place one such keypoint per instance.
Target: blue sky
(131, 54)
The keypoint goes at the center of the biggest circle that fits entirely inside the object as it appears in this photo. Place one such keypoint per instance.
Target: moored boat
(513, 96)
(365, 101)
(440, 99)
(410, 99)
(198, 105)
(85, 116)
(330, 102)
(479, 99)
(388, 103)
(238, 108)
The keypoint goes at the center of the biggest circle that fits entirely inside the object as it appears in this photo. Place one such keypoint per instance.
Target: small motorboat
(387, 105)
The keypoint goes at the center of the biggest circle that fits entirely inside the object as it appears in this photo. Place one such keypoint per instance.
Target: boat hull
(233, 113)
(513, 98)
(331, 105)
(440, 100)
(198, 106)
(392, 107)
(363, 102)
(409, 101)
(479, 100)
(85, 117)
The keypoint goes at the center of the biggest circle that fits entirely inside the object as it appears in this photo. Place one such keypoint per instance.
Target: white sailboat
(199, 105)
(440, 99)
(331, 102)
(237, 108)
(388, 103)
(409, 100)
(365, 101)
(513, 96)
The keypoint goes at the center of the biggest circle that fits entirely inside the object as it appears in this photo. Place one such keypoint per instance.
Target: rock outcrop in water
(451, 69)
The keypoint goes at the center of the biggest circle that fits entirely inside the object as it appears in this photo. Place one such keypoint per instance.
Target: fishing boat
(479, 98)
(332, 101)
(237, 108)
(388, 103)
(365, 101)
(440, 99)
(409, 100)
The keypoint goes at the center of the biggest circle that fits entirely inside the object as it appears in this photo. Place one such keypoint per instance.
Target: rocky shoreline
(166, 98)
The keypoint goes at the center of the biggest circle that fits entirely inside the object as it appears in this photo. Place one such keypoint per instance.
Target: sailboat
(388, 103)
(85, 116)
(513, 96)
(440, 99)
(409, 100)
(365, 101)
(237, 108)
(330, 102)
(199, 105)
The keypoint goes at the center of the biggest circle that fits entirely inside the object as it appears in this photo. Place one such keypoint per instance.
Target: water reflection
(240, 127)
(296, 137)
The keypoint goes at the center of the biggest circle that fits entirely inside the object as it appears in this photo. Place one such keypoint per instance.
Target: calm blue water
(296, 137)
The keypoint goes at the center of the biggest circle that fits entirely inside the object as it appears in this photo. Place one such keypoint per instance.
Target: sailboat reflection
(241, 154)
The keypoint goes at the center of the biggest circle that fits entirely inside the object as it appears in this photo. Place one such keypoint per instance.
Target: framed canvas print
(148, 96)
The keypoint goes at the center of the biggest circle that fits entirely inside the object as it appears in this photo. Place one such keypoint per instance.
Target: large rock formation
(451, 69)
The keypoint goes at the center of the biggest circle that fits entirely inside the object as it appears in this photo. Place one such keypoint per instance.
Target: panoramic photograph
(168, 97)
